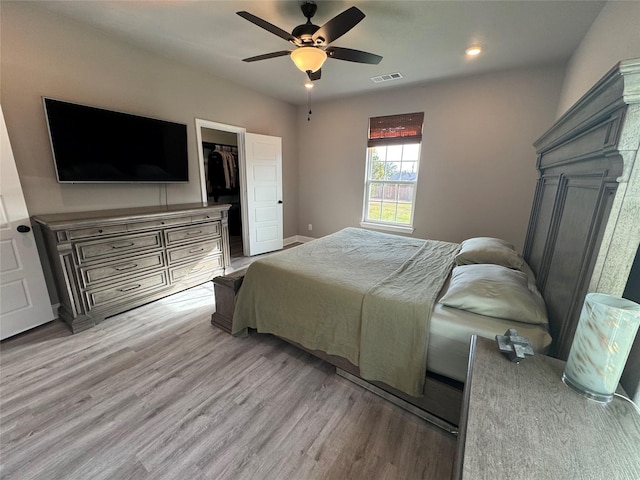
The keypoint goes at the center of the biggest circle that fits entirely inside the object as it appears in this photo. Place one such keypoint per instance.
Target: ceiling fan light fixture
(308, 58)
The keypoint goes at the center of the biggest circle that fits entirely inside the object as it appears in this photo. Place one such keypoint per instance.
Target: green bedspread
(362, 295)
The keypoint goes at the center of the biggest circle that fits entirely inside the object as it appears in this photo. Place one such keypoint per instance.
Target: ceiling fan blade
(267, 26)
(313, 76)
(266, 56)
(338, 26)
(351, 55)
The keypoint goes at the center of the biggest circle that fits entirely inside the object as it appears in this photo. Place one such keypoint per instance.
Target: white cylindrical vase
(602, 342)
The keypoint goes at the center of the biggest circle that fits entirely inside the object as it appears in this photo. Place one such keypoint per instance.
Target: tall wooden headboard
(584, 229)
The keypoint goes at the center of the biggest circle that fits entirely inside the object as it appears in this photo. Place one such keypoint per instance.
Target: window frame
(388, 140)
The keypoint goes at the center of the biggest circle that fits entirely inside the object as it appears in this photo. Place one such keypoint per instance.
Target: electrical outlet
(310, 227)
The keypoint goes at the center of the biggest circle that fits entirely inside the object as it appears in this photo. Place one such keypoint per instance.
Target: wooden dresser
(106, 262)
(519, 421)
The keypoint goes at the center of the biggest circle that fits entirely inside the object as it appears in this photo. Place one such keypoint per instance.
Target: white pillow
(495, 291)
(488, 250)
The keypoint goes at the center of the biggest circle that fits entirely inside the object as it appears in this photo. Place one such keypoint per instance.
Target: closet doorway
(220, 174)
(258, 182)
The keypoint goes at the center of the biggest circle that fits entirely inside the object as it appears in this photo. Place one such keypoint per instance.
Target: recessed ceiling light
(473, 50)
(308, 84)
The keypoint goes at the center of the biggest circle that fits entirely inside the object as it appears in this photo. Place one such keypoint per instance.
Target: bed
(393, 307)
(583, 235)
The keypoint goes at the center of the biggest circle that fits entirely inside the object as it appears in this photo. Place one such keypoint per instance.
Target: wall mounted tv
(93, 145)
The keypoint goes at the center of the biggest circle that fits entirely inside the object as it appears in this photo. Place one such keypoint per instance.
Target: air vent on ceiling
(387, 77)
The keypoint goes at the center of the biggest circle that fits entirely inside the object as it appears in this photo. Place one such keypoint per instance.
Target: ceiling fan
(312, 42)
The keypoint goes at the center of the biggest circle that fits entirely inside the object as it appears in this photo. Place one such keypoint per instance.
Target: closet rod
(211, 144)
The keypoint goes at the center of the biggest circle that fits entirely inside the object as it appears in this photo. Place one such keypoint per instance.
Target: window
(393, 160)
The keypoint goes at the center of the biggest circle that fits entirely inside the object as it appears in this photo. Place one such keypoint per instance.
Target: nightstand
(519, 421)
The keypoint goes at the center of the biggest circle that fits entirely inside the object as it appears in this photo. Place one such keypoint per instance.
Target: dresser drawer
(126, 290)
(193, 252)
(203, 217)
(129, 266)
(88, 251)
(177, 236)
(165, 222)
(78, 233)
(207, 267)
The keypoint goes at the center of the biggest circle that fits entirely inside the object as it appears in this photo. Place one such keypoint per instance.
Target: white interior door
(262, 228)
(24, 300)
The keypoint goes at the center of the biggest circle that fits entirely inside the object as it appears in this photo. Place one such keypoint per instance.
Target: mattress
(450, 335)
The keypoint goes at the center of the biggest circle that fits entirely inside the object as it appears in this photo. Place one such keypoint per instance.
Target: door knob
(23, 229)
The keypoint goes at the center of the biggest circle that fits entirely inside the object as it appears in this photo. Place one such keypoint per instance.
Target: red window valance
(403, 128)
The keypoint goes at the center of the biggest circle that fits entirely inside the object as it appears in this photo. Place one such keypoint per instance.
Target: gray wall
(43, 54)
(614, 36)
(477, 173)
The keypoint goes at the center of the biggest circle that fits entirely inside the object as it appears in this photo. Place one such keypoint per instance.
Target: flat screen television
(93, 145)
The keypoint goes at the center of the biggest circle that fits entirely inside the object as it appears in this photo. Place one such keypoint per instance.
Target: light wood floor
(158, 393)
(238, 260)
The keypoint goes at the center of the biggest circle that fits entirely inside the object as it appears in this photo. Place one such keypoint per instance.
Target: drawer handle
(194, 233)
(126, 267)
(123, 245)
(197, 269)
(128, 289)
(196, 250)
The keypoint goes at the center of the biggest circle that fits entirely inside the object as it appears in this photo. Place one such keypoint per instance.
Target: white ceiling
(423, 40)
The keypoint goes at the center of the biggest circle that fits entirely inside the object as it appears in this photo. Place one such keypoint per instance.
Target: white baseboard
(297, 239)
